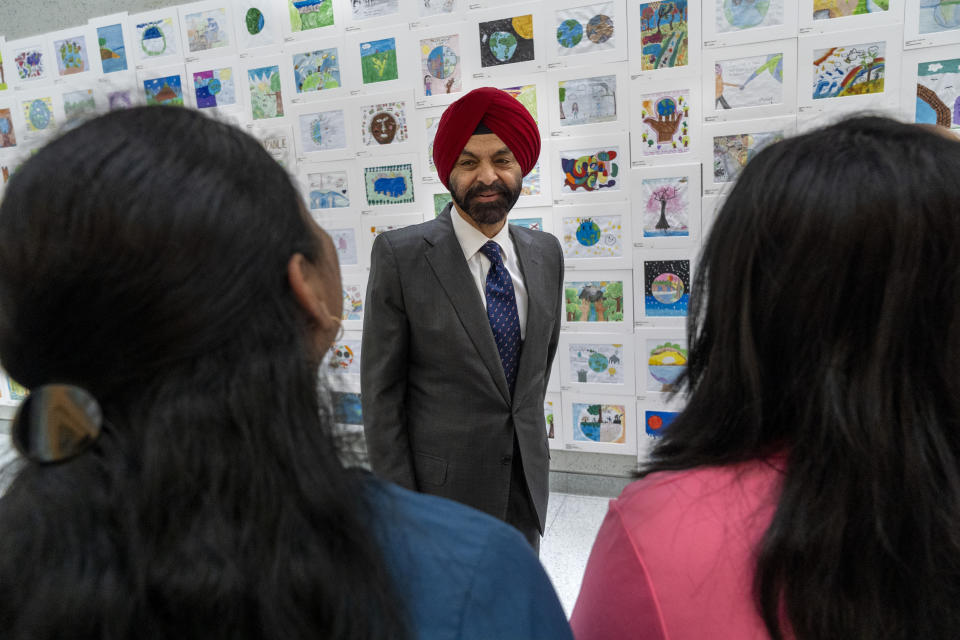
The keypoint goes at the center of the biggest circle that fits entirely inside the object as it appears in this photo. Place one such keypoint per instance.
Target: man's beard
(486, 212)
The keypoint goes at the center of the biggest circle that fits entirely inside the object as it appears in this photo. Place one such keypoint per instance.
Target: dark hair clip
(55, 423)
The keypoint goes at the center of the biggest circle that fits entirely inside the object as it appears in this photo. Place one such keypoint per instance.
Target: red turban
(501, 113)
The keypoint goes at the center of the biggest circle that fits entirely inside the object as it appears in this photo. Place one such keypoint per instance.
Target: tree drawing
(663, 195)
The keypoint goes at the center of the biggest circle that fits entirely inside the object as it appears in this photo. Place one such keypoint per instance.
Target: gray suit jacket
(437, 413)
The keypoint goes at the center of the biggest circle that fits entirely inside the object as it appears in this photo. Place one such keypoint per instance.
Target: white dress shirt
(471, 239)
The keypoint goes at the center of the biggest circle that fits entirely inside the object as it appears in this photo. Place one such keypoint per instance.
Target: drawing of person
(720, 84)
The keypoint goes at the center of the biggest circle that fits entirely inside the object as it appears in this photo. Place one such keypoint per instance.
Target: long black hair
(825, 324)
(143, 256)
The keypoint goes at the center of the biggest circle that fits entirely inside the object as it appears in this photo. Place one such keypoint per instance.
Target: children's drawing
(849, 70)
(347, 408)
(666, 210)
(207, 30)
(3, 78)
(72, 56)
(664, 34)
(38, 113)
(214, 88)
(30, 63)
(939, 15)
(440, 65)
(732, 153)
(549, 418)
(389, 184)
(77, 104)
(597, 363)
(8, 137)
(585, 29)
(316, 70)
(737, 15)
(599, 423)
(749, 82)
(598, 301)
(592, 237)
(666, 360)
(278, 143)
(366, 9)
(344, 357)
(254, 21)
(938, 93)
(345, 241)
(352, 302)
(431, 124)
(328, 190)
(259, 23)
(120, 99)
(165, 90)
(666, 122)
(157, 38)
(826, 9)
(666, 287)
(384, 123)
(588, 100)
(506, 41)
(440, 201)
(113, 52)
(323, 131)
(656, 421)
(590, 169)
(17, 391)
(532, 185)
(266, 96)
(436, 7)
(527, 96)
(310, 14)
(536, 224)
(378, 60)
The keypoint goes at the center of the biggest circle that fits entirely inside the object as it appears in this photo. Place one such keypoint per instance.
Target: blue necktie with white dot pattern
(502, 312)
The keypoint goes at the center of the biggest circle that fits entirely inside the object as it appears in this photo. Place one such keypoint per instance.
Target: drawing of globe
(316, 132)
(666, 107)
(667, 288)
(503, 45)
(599, 29)
(588, 233)
(442, 62)
(39, 114)
(153, 42)
(254, 21)
(214, 86)
(744, 14)
(569, 33)
(598, 362)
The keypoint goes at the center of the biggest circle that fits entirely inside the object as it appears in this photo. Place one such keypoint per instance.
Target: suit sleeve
(558, 313)
(383, 369)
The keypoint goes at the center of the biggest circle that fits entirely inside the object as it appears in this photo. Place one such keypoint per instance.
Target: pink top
(674, 559)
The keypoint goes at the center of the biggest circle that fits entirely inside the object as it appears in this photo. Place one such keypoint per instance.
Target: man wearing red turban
(461, 326)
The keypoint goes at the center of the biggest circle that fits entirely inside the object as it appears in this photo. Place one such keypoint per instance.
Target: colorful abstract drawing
(323, 131)
(938, 93)
(666, 287)
(666, 211)
(737, 15)
(440, 65)
(599, 423)
(527, 96)
(30, 64)
(664, 34)
(352, 302)
(344, 357)
(666, 123)
(214, 88)
(849, 70)
(752, 82)
(389, 184)
(119, 100)
(590, 170)
(656, 421)
(316, 70)
(549, 418)
(72, 56)
(506, 41)
(597, 363)
(592, 237)
(666, 360)
(532, 184)
(38, 113)
(535, 224)
(366, 9)
(207, 30)
(384, 123)
(8, 137)
(347, 408)
(598, 301)
(113, 51)
(378, 60)
(157, 38)
(440, 202)
(345, 241)
(77, 104)
(939, 15)
(585, 29)
(588, 100)
(166, 90)
(310, 14)
(732, 153)
(826, 9)
(266, 96)
(328, 190)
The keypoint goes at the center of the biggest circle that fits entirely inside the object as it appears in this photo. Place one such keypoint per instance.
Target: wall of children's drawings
(648, 110)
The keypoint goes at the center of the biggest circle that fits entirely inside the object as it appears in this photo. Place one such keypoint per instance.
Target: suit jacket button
(505, 460)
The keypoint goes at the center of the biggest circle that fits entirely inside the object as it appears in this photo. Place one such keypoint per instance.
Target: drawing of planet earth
(667, 288)
(442, 62)
(599, 29)
(316, 132)
(744, 14)
(569, 33)
(503, 45)
(39, 114)
(588, 233)
(254, 21)
(598, 362)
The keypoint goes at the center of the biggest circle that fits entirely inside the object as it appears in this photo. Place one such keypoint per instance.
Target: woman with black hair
(168, 301)
(811, 487)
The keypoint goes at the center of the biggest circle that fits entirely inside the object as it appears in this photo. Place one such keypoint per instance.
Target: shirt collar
(471, 239)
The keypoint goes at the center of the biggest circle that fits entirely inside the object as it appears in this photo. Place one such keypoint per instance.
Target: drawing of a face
(383, 128)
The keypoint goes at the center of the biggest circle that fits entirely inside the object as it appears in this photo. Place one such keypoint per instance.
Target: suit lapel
(538, 315)
(445, 257)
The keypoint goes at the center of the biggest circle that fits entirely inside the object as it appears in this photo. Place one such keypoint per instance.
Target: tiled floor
(572, 524)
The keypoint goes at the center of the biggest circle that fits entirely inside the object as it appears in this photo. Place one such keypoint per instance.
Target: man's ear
(307, 288)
